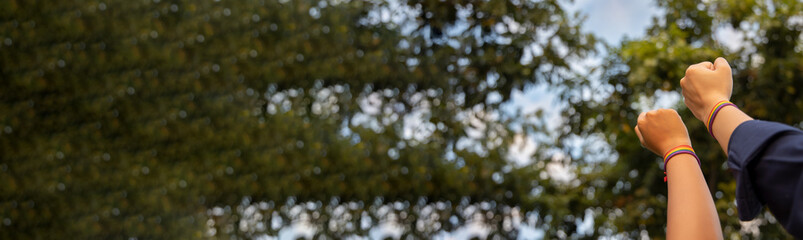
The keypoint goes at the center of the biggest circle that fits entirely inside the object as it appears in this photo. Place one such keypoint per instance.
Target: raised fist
(661, 130)
(705, 84)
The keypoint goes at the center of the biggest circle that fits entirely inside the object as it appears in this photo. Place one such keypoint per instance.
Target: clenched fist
(705, 84)
(661, 130)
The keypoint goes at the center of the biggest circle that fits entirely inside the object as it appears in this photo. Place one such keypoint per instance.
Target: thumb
(722, 64)
(640, 138)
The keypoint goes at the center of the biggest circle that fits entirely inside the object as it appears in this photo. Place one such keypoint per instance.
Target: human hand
(661, 130)
(705, 84)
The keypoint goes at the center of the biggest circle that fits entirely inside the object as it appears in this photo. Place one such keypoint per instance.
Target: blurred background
(338, 119)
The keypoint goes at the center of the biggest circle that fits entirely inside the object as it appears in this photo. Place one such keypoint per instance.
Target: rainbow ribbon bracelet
(682, 149)
(713, 114)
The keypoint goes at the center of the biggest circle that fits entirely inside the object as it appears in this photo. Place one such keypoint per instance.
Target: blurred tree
(766, 53)
(179, 119)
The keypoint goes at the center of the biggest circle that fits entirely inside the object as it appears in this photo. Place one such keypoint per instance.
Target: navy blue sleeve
(767, 161)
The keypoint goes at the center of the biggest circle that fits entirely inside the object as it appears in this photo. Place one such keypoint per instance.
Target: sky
(614, 19)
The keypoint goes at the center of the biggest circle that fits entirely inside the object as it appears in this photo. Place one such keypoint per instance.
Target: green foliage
(168, 119)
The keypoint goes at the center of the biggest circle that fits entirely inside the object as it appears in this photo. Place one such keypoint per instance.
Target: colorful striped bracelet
(713, 114)
(682, 149)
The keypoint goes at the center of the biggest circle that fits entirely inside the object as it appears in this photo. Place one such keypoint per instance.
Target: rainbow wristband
(713, 114)
(682, 149)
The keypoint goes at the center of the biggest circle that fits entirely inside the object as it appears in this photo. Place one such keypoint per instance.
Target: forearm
(725, 122)
(691, 210)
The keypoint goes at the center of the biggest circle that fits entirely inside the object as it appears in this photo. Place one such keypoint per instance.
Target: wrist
(671, 145)
(728, 119)
(708, 106)
(712, 115)
(674, 152)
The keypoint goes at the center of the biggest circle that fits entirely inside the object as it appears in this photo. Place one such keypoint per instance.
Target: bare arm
(725, 122)
(691, 210)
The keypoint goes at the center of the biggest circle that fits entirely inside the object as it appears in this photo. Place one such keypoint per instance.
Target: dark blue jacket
(767, 161)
